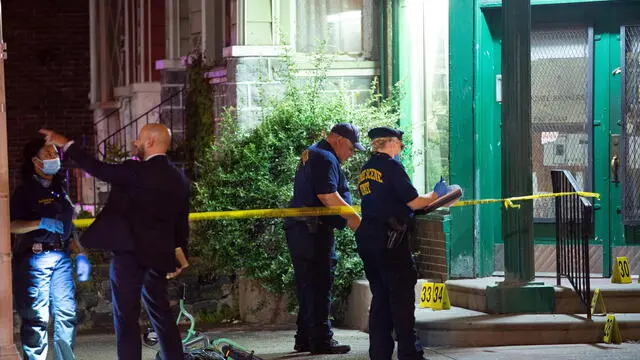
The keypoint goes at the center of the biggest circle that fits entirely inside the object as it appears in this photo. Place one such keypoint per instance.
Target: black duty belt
(313, 223)
(39, 247)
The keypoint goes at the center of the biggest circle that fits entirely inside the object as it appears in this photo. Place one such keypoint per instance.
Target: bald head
(159, 133)
(153, 139)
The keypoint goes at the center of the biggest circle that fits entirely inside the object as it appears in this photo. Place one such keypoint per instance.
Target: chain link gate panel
(561, 114)
(630, 134)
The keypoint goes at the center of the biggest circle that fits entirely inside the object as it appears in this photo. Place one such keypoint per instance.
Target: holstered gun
(396, 232)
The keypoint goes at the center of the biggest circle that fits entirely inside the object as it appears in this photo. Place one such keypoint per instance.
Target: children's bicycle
(200, 346)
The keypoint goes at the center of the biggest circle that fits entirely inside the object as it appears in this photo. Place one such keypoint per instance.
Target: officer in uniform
(319, 181)
(388, 204)
(41, 212)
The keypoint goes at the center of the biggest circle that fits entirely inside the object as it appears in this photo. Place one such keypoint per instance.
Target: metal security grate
(631, 126)
(560, 110)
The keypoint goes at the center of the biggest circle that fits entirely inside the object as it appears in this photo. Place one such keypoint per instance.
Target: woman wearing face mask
(388, 204)
(41, 216)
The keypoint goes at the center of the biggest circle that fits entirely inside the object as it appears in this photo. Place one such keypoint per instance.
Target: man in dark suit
(158, 225)
(114, 218)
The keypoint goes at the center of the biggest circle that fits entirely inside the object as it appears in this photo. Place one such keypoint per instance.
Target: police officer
(388, 204)
(42, 212)
(319, 181)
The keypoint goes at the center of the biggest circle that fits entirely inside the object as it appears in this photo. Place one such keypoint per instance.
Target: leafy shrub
(254, 169)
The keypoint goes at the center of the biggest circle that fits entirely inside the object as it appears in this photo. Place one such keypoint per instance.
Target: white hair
(378, 144)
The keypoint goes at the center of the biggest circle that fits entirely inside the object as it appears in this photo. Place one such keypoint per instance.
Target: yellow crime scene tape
(508, 202)
(340, 210)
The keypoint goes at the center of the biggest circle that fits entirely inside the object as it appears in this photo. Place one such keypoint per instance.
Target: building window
(232, 19)
(424, 64)
(338, 22)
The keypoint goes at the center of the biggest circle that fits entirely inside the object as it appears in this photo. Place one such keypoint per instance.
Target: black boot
(332, 347)
(302, 343)
(301, 347)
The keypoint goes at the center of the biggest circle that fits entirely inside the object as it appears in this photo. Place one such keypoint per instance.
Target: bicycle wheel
(235, 354)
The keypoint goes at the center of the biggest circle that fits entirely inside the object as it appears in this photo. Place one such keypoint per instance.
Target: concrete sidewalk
(276, 343)
(268, 344)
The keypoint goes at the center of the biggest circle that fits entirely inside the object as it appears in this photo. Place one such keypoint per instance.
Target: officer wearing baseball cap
(389, 201)
(319, 181)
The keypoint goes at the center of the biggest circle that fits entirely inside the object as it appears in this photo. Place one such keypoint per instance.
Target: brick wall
(47, 71)
(430, 243)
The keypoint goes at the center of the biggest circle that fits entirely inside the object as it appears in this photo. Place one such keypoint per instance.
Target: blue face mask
(51, 166)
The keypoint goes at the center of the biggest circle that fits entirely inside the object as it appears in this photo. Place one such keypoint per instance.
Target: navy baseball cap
(385, 131)
(350, 132)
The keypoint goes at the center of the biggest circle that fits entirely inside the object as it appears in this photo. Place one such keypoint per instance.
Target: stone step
(618, 298)
(467, 328)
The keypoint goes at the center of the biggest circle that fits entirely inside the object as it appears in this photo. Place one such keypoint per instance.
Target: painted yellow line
(339, 210)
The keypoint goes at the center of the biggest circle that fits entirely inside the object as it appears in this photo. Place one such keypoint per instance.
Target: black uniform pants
(314, 260)
(128, 281)
(392, 278)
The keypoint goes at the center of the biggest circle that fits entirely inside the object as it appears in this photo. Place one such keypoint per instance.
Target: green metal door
(582, 96)
(576, 118)
(561, 120)
(627, 216)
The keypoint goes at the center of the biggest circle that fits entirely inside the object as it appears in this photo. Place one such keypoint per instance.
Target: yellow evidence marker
(426, 293)
(434, 296)
(611, 330)
(621, 274)
(598, 301)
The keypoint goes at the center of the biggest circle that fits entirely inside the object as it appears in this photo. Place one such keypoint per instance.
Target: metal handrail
(104, 118)
(173, 102)
(111, 139)
(574, 229)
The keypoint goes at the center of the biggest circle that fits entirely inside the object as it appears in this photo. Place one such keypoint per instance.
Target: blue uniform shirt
(318, 173)
(385, 188)
(33, 201)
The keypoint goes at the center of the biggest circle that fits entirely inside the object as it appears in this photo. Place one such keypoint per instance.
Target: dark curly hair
(31, 150)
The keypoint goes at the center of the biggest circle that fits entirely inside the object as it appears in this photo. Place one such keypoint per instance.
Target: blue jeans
(44, 285)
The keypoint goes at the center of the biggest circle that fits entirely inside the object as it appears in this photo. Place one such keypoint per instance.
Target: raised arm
(118, 174)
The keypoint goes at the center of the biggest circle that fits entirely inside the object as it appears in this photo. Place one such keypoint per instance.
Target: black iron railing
(115, 147)
(105, 122)
(574, 229)
(169, 112)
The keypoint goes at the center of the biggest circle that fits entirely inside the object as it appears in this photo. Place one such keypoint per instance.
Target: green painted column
(461, 136)
(516, 139)
(517, 294)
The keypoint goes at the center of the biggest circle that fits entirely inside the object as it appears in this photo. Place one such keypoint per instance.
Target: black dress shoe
(301, 347)
(333, 347)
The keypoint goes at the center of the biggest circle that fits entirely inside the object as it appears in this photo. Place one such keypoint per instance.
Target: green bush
(254, 169)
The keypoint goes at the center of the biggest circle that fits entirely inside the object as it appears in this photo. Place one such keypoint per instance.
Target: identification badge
(36, 248)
